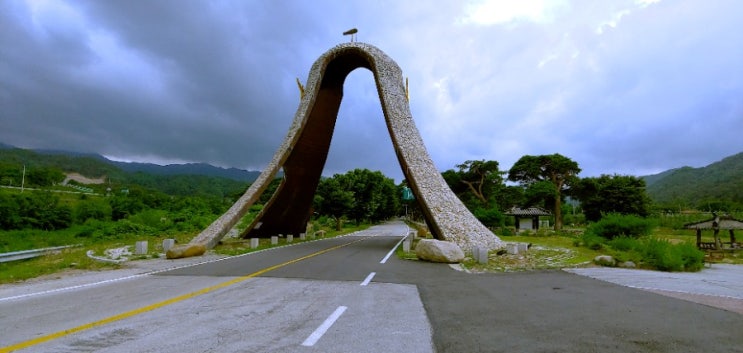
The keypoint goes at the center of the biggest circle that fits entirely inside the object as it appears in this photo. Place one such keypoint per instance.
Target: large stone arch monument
(303, 153)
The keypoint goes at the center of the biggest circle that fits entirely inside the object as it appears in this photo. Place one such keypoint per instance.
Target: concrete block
(302, 236)
(167, 244)
(140, 247)
(274, 240)
(289, 238)
(482, 255)
(253, 243)
(476, 253)
(512, 249)
(523, 247)
(407, 244)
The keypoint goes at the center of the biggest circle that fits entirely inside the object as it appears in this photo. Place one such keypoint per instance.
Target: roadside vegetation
(606, 215)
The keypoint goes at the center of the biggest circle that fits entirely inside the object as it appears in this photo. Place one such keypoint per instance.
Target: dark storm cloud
(622, 86)
(204, 82)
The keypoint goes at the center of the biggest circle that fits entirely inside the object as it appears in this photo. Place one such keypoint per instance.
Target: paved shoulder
(556, 311)
(720, 286)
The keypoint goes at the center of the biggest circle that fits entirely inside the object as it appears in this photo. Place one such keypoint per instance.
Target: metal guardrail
(27, 254)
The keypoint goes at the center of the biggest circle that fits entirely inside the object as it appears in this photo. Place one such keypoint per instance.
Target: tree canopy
(475, 182)
(533, 171)
(622, 194)
(359, 195)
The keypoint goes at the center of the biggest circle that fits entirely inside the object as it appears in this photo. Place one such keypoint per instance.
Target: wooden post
(732, 237)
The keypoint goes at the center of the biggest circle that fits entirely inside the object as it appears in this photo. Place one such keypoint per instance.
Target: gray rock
(187, 250)
(627, 264)
(604, 260)
(439, 251)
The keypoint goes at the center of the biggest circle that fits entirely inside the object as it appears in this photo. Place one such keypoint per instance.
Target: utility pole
(23, 178)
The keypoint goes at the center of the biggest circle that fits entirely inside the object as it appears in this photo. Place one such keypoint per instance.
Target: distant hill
(189, 169)
(94, 165)
(694, 187)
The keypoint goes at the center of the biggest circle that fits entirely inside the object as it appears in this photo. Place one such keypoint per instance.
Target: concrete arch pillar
(304, 151)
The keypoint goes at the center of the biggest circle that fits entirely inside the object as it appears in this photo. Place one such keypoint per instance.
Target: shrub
(614, 225)
(490, 217)
(665, 256)
(590, 241)
(624, 243)
(660, 254)
(692, 257)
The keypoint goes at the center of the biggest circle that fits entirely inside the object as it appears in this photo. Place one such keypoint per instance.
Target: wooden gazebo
(716, 224)
(527, 218)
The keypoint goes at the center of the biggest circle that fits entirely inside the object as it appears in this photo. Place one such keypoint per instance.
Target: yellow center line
(144, 309)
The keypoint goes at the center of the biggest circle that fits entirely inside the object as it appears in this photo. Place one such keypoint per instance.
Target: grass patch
(72, 258)
(67, 259)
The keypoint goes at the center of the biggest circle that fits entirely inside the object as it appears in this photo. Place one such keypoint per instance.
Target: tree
(331, 199)
(557, 169)
(476, 183)
(375, 196)
(359, 194)
(622, 194)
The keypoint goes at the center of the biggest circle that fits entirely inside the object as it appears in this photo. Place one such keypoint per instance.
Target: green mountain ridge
(46, 167)
(715, 186)
(94, 165)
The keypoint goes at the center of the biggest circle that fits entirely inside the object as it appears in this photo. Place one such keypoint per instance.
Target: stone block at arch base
(304, 151)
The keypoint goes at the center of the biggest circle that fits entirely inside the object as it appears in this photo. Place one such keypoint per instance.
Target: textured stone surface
(439, 251)
(187, 250)
(303, 153)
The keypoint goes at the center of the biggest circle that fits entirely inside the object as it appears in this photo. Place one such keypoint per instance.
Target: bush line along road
(336, 295)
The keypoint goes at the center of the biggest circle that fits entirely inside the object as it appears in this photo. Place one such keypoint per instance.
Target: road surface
(336, 295)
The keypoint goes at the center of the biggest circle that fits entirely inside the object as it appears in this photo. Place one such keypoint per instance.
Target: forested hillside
(46, 168)
(718, 186)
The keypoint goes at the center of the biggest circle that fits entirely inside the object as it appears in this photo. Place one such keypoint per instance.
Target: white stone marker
(253, 243)
(274, 240)
(167, 244)
(512, 249)
(302, 236)
(407, 243)
(289, 238)
(140, 247)
(482, 255)
(523, 247)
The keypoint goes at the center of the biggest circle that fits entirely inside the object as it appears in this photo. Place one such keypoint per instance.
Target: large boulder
(186, 250)
(439, 251)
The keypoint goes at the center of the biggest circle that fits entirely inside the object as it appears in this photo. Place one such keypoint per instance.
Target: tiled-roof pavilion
(716, 223)
(527, 218)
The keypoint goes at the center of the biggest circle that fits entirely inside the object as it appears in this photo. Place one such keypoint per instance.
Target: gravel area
(720, 285)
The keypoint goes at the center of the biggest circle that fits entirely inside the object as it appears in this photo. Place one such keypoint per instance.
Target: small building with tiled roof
(716, 223)
(527, 218)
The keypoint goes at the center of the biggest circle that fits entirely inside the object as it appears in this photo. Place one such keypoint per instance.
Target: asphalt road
(280, 301)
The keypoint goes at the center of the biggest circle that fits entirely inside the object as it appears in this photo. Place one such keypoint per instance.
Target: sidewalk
(720, 285)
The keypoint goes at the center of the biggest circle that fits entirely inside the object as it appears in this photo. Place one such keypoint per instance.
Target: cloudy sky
(621, 87)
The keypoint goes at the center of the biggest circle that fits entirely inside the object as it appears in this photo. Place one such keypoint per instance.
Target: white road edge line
(391, 251)
(320, 331)
(368, 278)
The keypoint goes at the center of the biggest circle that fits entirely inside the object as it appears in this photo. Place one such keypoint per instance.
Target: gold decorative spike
(301, 89)
(407, 92)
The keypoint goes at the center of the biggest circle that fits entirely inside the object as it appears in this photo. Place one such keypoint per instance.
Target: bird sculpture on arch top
(304, 151)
